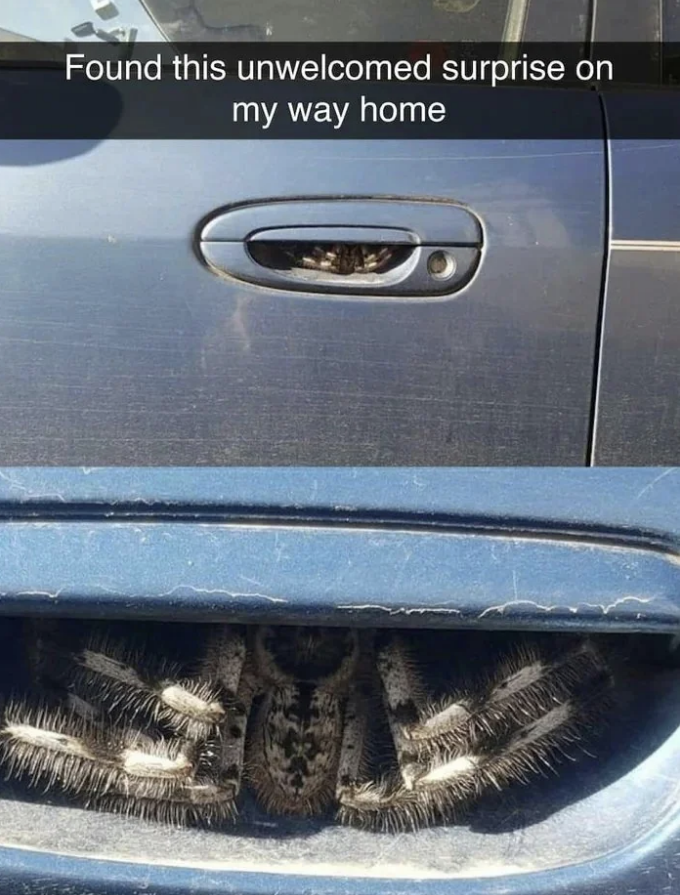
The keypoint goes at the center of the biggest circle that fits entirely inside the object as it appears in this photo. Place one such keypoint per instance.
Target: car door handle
(363, 247)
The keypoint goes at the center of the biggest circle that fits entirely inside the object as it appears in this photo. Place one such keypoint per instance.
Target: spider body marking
(297, 714)
(296, 742)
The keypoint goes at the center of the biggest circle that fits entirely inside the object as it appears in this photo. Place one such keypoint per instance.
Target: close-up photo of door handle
(382, 247)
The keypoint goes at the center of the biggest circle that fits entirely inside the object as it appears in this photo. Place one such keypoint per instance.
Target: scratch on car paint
(604, 608)
(50, 594)
(654, 481)
(399, 610)
(24, 489)
(220, 592)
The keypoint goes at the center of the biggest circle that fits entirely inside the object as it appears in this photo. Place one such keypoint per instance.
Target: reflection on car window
(369, 21)
(330, 20)
(82, 20)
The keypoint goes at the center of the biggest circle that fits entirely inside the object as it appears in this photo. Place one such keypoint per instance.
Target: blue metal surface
(648, 867)
(639, 500)
(649, 214)
(119, 347)
(638, 417)
(336, 574)
(410, 546)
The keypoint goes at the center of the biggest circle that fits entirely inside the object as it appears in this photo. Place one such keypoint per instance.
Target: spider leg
(321, 258)
(310, 262)
(405, 701)
(540, 734)
(91, 748)
(452, 782)
(194, 802)
(227, 753)
(375, 260)
(224, 659)
(210, 795)
(128, 683)
(224, 668)
(64, 748)
(383, 255)
(532, 711)
(114, 768)
(385, 805)
(524, 688)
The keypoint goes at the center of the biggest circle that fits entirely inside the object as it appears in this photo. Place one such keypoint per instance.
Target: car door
(129, 339)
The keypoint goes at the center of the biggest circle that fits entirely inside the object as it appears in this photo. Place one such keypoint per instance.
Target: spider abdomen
(295, 749)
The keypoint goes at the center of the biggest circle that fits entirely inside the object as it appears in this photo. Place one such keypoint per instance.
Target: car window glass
(275, 20)
(328, 20)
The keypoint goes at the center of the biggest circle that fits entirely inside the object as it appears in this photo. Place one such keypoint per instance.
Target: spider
(343, 258)
(296, 713)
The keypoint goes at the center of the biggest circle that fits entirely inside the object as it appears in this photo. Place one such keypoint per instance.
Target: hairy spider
(343, 258)
(296, 713)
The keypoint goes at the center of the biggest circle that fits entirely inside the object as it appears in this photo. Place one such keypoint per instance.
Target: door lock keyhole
(441, 265)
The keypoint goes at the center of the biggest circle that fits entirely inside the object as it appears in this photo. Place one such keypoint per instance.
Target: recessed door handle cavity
(367, 247)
